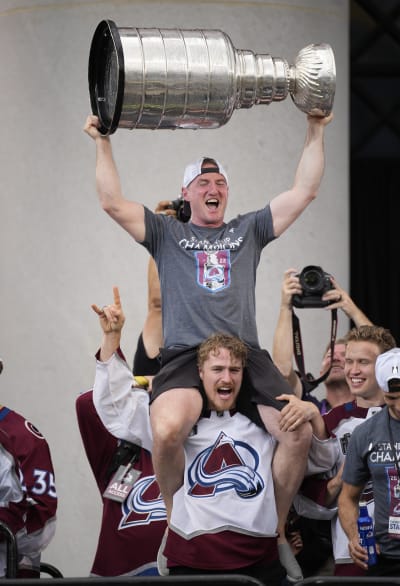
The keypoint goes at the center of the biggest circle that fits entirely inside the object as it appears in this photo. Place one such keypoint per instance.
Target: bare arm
(282, 345)
(346, 304)
(333, 487)
(287, 206)
(152, 328)
(348, 513)
(297, 412)
(128, 214)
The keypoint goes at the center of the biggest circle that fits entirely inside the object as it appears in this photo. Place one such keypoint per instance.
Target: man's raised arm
(287, 206)
(128, 214)
(124, 412)
(282, 344)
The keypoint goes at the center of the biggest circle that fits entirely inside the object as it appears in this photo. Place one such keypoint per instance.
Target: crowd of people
(212, 456)
(192, 417)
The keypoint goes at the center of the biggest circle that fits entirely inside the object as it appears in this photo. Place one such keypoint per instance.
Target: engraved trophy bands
(172, 78)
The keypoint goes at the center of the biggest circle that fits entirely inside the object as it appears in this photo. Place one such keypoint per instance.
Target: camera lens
(312, 280)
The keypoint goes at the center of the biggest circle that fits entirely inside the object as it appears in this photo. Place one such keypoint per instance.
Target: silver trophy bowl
(173, 78)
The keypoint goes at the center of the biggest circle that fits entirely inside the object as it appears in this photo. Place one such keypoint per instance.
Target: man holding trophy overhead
(207, 269)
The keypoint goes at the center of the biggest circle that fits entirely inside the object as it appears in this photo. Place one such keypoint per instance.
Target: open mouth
(224, 392)
(212, 203)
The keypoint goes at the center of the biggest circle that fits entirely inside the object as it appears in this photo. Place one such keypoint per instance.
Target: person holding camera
(312, 287)
(210, 266)
(146, 356)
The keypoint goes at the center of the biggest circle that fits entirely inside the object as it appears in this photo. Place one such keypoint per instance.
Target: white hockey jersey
(228, 459)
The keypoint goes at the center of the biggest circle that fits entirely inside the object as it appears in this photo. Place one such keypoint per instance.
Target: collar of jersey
(208, 412)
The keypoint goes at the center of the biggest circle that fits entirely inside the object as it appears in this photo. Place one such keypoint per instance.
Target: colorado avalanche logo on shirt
(143, 505)
(227, 465)
(213, 269)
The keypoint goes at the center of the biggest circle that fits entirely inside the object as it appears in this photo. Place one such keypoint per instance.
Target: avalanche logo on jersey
(213, 269)
(143, 505)
(226, 465)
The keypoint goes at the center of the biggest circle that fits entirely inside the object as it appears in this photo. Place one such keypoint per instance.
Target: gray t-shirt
(371, 455)
(208, 275)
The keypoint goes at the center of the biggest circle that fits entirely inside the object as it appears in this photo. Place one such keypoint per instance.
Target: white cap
(194, 170)
(387, 367)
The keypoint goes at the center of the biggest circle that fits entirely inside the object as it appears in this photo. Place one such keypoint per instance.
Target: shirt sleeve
(99, 444)
(38, 477)
(123, 410)
(355, 470)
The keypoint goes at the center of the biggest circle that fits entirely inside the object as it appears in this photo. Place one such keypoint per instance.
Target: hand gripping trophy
(172, 78)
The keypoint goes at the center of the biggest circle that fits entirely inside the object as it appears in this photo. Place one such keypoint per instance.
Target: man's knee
(173, 414)
(168, 432)
(300, 439)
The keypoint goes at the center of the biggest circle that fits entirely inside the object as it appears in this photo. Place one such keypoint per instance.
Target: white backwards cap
(194, 170)
(387, 368)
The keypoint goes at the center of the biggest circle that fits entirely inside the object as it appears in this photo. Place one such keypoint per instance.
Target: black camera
(182, 208)
(314, 282)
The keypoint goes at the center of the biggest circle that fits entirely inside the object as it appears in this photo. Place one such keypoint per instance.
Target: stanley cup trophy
(172, 78)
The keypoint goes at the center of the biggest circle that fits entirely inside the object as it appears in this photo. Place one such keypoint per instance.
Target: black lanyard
(126, 453)
(298, 350)
(393, 448)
